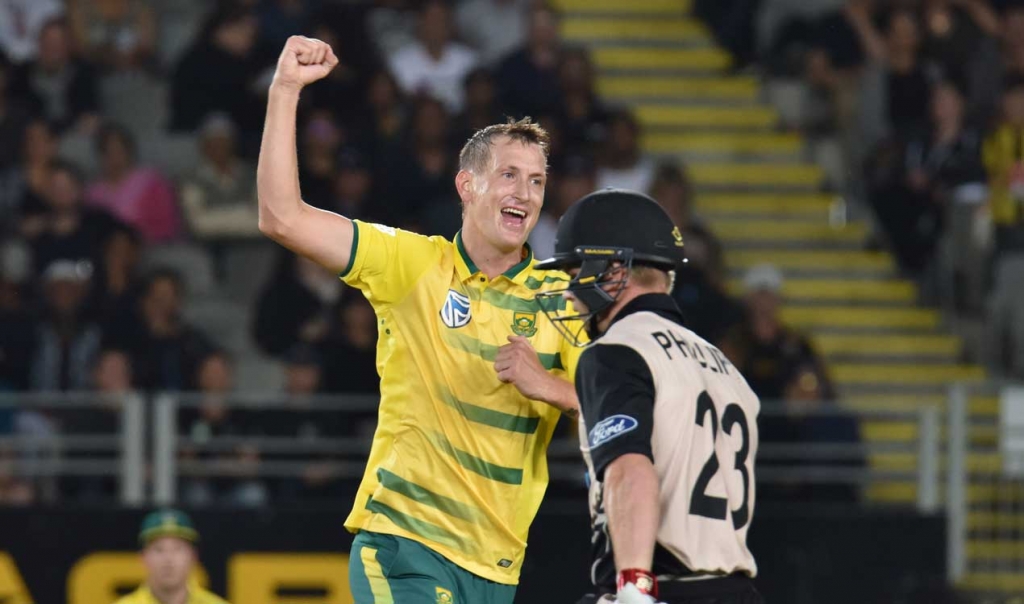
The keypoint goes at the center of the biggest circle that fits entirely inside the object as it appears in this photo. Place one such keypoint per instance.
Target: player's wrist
(643, 580)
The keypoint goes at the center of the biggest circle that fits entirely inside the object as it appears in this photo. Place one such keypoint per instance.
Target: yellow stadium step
(797, 204)
(995, 521)
(756, 174)
(904, 374)
(835, 344)
(811, 260)
(987, 463)
(978, 407)
(1009, 582)
(618, 7)
(675, 59)
(861, 316)
(881, 431)
(592, 29)
(738, 89)
(723, 142)
(738, 231)
(905, 492)
(845, 290)
(978, 549)
(656, 116)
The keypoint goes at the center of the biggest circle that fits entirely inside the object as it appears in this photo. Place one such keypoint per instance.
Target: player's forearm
(277, 175)
(561, 394)
(631, 503)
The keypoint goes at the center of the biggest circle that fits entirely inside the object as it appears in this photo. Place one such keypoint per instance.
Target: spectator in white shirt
(493, 27)
(435, 64)
(220, 198)
(624, 165)
(20, 24)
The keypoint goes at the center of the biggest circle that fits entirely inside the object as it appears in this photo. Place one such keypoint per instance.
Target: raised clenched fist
(303, 61)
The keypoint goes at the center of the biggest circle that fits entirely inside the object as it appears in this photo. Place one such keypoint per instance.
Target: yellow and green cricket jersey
(196, 595)
(458, 460)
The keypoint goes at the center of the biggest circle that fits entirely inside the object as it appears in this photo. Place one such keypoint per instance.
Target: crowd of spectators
(123, 215)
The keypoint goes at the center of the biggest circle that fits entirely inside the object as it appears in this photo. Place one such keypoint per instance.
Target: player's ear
(464, 185)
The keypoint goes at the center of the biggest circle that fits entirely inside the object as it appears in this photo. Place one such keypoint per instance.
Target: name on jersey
(707, 356)
(610, 429)
(456, 311)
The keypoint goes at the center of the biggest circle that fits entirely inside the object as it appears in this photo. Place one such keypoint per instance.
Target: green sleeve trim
(352, 253)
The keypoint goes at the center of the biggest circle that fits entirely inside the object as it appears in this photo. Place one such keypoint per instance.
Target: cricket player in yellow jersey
(168, 542)
(472, 381)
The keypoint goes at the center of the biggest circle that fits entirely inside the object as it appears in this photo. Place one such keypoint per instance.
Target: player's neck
(628, 295)
(490, 260)
(170, 596)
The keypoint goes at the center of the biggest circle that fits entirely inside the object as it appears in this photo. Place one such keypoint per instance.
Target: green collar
(511, 273)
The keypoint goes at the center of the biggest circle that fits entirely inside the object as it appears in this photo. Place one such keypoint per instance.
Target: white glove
(629, 594)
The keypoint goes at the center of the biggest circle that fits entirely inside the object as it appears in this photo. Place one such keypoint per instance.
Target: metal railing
(151, 434)
(985, 488)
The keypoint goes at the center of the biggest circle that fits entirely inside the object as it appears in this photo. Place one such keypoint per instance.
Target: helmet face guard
(589, 287)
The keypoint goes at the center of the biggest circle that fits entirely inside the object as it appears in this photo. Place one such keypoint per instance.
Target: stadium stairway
(766, 203)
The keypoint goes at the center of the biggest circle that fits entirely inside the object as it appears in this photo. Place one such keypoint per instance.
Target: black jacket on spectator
(17, 339)
(524, 89)
(160, 362)
(209, 79)
(708, 311)
(83, 242)
(284, 307)
(769, 366)
(70, 96)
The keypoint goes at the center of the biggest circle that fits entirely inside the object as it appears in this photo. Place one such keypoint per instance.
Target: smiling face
(503, 196)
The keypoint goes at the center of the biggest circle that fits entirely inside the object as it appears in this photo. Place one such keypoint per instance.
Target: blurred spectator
(732, 22)
(66, 341)
(112, 373)
(296, 305)
(115, 281)
(392, 26)
(482, 108)
(427, 166)
(810, 417)
(623, 163)
(214, 418)
(217, 73)
(765, 350)
(899, 82)
(279, 19)
(494, 28)
(342, 93)
(528, 79)
(14, 115)
(23, 187)
(434, 64)
(302, 421)
(581, 115)
(699, 291)
(350, 351)
(385, 119)
(353, 190)
(15, 490)
(219, 198)
(165, 349)
(321, 139)
(138, 196)
(118, 34)
(61, 87)
(17, 322)
(20, 24)
(953, 32)
(575, 177)
(1004, 161)
(66, 229)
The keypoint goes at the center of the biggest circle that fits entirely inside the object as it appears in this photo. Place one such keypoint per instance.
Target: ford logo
(610, 428)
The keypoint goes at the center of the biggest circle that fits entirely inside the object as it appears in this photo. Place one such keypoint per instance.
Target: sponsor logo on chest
(456, 310)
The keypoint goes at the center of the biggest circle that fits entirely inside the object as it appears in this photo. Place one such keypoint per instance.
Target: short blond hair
(477, 151)
(653, 278)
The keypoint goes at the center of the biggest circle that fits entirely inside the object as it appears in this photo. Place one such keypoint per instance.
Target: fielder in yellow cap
(168, 540)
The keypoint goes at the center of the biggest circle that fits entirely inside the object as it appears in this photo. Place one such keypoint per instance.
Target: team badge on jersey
(444, 596)
(455, 313)
(610, 428)
(524, 323)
